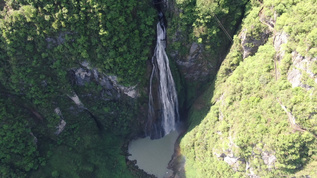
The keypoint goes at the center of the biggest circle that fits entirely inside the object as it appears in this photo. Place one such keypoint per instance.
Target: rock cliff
(258, 117)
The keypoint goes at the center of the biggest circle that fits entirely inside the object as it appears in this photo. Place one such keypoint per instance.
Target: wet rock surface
(194, 66)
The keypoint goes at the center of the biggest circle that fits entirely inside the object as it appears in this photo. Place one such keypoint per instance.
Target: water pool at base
(153, 156)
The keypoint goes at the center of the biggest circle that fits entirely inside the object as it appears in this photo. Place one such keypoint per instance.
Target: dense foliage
(115, 36)
(258, 116)
(18, 153)
(209, 25)
(42, 43)
(254, 119)
(207, 22)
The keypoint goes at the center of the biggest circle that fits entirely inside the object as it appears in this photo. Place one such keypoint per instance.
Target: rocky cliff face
(263, 104)
(196, 56)
(117, 100)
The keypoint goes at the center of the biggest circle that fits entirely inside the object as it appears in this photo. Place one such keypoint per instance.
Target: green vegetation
(258, 116)
(247, 113)
(41, 44)
(198, 20)
(115, 36)
(298, 20)
(205, 23)
(18, 153)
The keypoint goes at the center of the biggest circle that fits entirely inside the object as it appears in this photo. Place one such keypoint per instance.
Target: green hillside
(259, 116)
(52, 50)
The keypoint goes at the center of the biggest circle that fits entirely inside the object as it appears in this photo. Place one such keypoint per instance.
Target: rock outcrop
(110, 84)
(301, 65)
(250, 44)
(192, 55)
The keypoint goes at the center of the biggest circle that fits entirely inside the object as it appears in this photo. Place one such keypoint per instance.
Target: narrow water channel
(153, 156)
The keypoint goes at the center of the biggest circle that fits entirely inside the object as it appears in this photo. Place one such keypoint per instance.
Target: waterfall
(162, 115)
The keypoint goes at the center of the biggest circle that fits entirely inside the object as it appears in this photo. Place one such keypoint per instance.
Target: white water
(167, 93)
(153, 156)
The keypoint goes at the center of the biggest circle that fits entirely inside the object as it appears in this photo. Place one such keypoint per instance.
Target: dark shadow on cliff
(200, 107)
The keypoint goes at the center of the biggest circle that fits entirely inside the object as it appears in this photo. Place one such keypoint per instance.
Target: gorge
(85, 86)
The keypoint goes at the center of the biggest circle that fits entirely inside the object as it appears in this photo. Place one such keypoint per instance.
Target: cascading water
(153, 156)
(162, 116)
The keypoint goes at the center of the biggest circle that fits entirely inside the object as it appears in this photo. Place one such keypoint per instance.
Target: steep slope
(199, 36)
(259, 116)
(72, 77)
